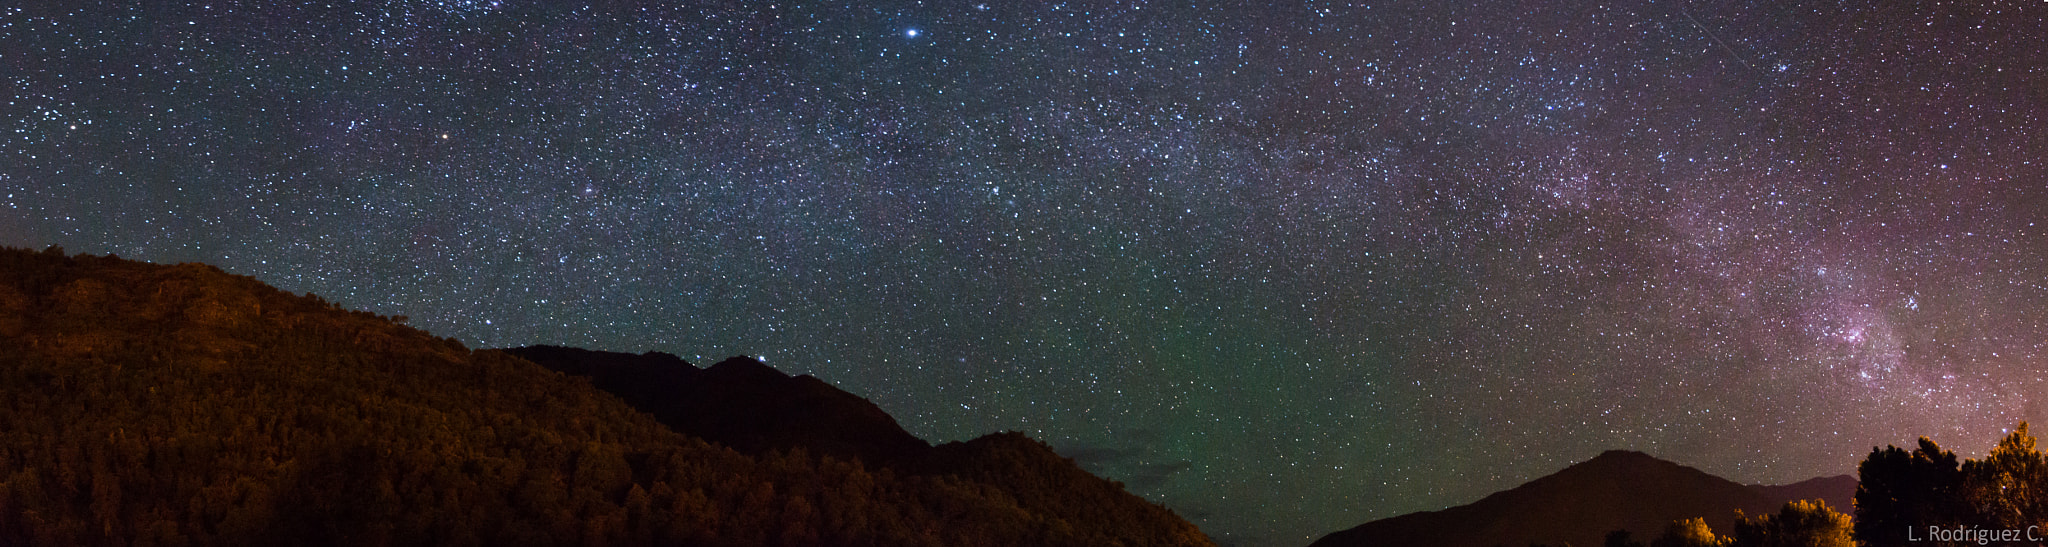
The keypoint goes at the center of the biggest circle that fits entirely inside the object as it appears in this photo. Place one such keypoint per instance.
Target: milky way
(1284, 268)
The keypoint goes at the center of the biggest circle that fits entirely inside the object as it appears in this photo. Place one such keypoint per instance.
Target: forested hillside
(180, 405)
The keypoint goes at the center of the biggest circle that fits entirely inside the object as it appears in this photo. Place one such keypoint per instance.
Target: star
(1157, 235)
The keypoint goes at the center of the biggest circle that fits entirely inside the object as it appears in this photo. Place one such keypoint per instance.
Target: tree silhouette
(1897, 490)
(1900, 493)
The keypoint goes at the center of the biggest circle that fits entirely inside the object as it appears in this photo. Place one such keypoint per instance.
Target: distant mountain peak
(1623, 459)
(744, 366)
(1580, 504)
(1628, 462)
(1619, 454)
(753, 408)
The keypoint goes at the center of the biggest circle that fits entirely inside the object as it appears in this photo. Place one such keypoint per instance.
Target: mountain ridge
(751, 407)
(738, 402)
(182, 405)
(1580, 504)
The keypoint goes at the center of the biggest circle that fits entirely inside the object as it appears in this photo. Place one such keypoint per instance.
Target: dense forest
(179, 405)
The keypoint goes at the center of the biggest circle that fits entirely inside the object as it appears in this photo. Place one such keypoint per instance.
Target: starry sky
(1284, 267)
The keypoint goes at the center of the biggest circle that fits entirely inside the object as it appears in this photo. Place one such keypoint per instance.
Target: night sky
(1282, 267)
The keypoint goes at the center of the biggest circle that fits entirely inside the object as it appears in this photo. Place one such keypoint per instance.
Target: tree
(2005, 490)
(1688, 533)
(1897, 490)
(1798, 524)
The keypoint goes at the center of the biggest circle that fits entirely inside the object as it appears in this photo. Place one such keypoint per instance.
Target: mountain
(181, 405)
(1839, 491)
(758, 410)
(740, 402)
(1617, 490)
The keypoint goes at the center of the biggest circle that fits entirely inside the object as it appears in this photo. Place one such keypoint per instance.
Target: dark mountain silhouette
(740, 403)
(1839, 491)
(756, 409)
(180, 405)
(1617, 490)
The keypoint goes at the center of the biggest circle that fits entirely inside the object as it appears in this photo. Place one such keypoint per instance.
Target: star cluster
(1284, 268)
